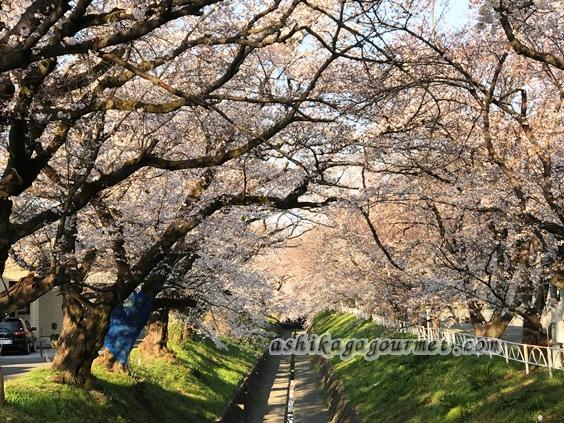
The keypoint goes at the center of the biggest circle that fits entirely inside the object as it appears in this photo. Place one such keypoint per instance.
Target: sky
(458, 12)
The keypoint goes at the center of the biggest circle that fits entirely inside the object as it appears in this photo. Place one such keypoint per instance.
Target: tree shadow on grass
(118, 398)
(457, 389)
(519, 398)
(219, 378)
(206, 377)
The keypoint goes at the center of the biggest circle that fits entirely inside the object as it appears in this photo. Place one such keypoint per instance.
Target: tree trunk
(107, 359)
(2, 394)
(25, 291)
(186, 333)
(183, 331)
(533, 332)
(557, 269)
(156, 336)
(5, 244)
(493, 328)
(82, 336)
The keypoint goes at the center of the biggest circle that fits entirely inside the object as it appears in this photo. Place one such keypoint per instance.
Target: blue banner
(126, 323)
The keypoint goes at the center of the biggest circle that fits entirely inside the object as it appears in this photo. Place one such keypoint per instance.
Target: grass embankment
(440, 388)
(194, 388)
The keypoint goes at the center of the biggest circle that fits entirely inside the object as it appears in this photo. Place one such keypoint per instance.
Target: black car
(16, 335)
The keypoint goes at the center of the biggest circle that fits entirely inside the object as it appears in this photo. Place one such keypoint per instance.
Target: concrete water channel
(283, 389)
(270, 403)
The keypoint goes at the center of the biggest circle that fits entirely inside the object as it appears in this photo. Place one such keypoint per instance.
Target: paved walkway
(270, 401)
(276, 405)
(309, 405)
(14, 365)
(269, 404)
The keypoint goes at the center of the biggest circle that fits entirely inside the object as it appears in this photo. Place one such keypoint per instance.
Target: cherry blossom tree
(86, 102)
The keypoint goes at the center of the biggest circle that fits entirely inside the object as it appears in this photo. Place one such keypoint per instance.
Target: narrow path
(277, 399)
(309, 405)
(269, 402)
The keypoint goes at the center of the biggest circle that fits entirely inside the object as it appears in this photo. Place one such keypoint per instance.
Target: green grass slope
(440, 388)
(194, 388)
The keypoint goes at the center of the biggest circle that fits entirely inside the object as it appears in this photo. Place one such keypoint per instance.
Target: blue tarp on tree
(126, 322)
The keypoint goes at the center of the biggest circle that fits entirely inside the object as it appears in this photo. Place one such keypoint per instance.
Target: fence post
(557, 359)
(549, 359)
(490, 347)
(40, 343)
(506, 352)
(554, 357)
(526, 355)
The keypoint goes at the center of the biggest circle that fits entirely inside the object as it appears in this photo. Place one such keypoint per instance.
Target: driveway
(14, 364)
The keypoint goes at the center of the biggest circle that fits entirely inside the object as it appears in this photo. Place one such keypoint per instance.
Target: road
(14, 364)
(513, 333)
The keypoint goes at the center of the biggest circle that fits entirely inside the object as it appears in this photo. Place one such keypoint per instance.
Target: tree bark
(156, 336)
(186, 333)
(492, 328)
(557, 269)
(2, 394)
(5, 242)
(27, 290)
(82, 336)
(533, 332)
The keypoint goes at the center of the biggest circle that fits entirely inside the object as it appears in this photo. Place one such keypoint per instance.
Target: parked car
(17, 335)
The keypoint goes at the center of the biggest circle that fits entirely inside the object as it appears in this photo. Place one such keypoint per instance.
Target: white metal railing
(530, 355)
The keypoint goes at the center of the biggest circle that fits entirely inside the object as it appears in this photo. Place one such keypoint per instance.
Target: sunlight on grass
(438, 389)
(194, 387)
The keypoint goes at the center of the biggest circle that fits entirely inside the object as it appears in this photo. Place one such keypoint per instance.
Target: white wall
(48, 310)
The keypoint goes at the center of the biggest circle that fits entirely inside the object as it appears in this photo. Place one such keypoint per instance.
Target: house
(45, 313)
